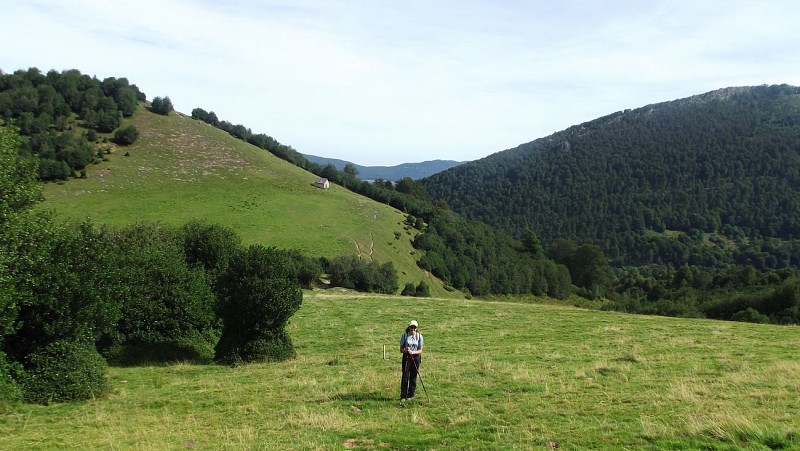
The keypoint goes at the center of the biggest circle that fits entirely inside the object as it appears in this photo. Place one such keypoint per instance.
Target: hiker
(411, 343)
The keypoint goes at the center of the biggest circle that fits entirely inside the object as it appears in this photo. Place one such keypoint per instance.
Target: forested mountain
(708, 180)
(414, 171)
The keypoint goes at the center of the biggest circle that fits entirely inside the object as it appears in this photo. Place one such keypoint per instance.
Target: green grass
(499, 375)
(181, 169)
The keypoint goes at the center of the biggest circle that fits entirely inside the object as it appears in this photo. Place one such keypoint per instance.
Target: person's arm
(403, 348)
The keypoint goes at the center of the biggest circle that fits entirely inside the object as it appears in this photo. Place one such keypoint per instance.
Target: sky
(380, 83)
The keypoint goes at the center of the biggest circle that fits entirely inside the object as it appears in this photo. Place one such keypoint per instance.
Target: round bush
(64, 371)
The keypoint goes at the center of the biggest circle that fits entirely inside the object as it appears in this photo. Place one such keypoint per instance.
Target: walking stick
(420, 377)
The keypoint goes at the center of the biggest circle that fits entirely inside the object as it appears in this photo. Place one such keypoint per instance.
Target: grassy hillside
(499, 376)
(181, 169)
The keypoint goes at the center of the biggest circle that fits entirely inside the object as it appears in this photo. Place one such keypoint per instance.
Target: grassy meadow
(181, 169)
(499, 375)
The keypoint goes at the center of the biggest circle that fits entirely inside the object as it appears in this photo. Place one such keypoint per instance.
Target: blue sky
(387, 82)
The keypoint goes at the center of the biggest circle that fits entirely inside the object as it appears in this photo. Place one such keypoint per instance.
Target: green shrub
(305, 270)
(68, 290)
(256, 299)
(9, 389)
(66, 370)
(53, 170)
(161, 106)
(209, 246)
(269, 347)
(372, 277)
(168, 307)
(422, 290)
(750, 315)
(126, 135)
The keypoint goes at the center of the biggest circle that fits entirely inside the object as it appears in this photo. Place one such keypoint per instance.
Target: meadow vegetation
(499, 375)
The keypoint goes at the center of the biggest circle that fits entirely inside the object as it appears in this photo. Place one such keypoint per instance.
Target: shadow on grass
(372, 396)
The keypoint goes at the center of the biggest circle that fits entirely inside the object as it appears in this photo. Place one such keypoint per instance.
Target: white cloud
(389, 82)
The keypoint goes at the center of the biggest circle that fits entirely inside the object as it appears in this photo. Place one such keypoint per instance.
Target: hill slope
(726, 162)
(411, 170)
(181, 169)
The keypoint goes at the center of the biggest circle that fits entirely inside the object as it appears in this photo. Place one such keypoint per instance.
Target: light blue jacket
(414, 342)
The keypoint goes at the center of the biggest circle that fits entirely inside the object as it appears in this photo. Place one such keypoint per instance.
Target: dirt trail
(358, 249)
(371, 247)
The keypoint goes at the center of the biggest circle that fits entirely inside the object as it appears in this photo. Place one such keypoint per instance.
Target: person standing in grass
(411, 344)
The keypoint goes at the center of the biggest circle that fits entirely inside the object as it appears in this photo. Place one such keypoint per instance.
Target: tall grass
(499, 375)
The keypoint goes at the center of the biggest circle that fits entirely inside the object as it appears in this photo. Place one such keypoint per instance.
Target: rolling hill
(718, 171)
(181, 169)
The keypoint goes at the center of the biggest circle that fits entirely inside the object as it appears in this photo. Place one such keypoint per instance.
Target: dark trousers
(408, 384)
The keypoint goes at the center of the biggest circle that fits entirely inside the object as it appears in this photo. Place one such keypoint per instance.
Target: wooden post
(384, 352)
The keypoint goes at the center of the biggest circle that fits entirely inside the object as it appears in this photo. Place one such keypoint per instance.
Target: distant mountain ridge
(724, 165)
(414, 171)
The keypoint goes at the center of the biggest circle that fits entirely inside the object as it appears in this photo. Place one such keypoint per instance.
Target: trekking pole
(406, 376)
(420, 377)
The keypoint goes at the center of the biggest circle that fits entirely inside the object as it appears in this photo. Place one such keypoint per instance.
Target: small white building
(322, 182)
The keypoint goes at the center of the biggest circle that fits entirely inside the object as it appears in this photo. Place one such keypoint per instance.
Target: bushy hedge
(168, 310)
(256, 299)
(65, 370)
(10, 391)
(352, 272)
(234, 349)
(423, 290)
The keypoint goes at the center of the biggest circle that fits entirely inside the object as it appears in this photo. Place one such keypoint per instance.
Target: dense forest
(709, 184)
(725, 163)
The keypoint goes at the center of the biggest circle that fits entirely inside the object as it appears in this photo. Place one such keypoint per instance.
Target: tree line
(63, 116)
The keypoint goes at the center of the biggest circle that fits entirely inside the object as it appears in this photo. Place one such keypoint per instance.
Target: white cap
(413, 323)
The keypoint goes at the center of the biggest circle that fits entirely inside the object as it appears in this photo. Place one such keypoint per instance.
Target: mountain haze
(411, 170)
(723, 165)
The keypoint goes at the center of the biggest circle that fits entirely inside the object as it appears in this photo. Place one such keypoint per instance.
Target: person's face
(413, 329)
